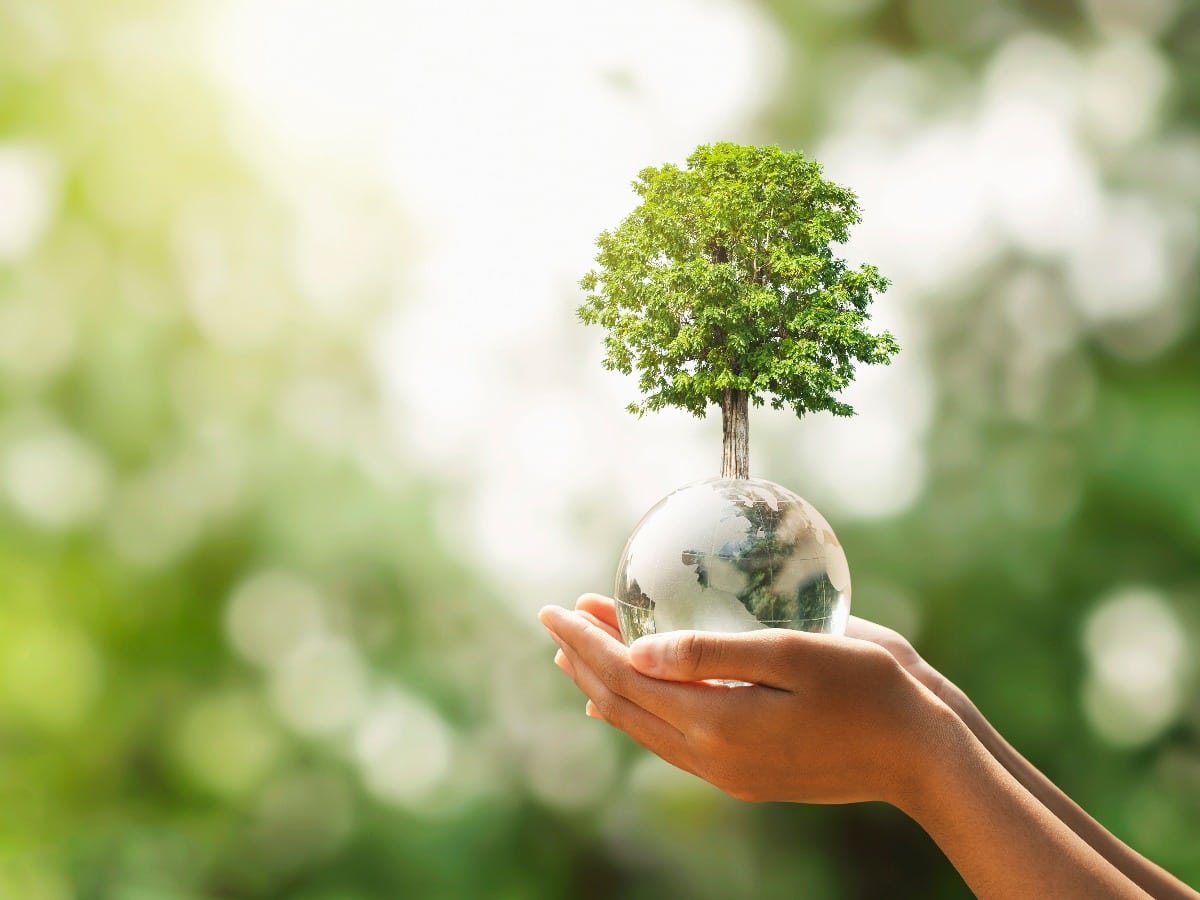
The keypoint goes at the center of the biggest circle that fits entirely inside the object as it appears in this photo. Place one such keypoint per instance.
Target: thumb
(755, 656)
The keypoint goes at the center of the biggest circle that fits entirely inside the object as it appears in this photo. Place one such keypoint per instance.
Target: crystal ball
(728, 554)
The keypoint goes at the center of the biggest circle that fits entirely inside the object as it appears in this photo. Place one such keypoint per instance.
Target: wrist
(946, 750)
(963, 707)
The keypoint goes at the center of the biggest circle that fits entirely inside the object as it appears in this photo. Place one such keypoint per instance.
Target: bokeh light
(298, 427)
(1138, 656)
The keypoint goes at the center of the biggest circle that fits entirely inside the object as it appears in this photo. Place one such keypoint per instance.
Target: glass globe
(729, 554)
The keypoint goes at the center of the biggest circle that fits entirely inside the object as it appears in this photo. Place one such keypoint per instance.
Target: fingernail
(647, 654)
(560, 660)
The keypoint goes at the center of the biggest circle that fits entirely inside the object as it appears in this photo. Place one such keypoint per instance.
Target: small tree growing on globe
(722, 288)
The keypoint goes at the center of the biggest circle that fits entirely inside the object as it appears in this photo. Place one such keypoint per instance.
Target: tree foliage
(724, 279)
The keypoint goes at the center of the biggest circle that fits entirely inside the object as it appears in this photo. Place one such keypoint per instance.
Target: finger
(592, 712)
(603, 608)
(560, 660)
(606, 704)
(866, 630)
(669, 745)
(771, 657)
(607, 663)
(612, 630)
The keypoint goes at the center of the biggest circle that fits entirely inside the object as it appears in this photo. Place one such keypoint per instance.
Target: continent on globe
(732, 555)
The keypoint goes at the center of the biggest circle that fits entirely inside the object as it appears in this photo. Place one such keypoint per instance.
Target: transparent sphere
(729, 554)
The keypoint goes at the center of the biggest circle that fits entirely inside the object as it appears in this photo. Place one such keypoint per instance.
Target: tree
(722, 288)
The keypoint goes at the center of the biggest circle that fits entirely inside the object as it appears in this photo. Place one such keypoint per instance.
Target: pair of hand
(824, 719)
(840, 719)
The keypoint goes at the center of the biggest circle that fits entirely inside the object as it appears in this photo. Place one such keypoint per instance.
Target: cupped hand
(902, 650)
(603, 612)
(824, 719)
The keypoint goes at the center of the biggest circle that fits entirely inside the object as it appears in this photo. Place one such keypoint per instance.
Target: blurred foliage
(236, 661)
(209, 569)
(1054, 486)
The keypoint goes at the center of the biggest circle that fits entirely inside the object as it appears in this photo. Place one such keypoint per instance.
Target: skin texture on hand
(844, 727)
(830, 719)
(1152, 878)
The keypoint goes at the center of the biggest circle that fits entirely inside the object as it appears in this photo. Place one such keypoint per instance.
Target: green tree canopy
(722, 286)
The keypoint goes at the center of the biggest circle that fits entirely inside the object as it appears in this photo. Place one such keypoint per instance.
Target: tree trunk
(735, 433)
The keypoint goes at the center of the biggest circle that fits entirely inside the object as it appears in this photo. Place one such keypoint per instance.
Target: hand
(603, 612)
(826, 719)
(842, 719)
(898, 645)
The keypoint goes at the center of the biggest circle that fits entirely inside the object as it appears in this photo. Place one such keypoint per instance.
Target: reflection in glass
(732, 555)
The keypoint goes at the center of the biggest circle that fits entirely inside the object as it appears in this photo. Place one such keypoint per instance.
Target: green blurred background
(297, 429)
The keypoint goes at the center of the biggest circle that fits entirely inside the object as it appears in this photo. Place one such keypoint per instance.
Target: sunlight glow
(320, 687)
(510, 133)
(1138, 655)
(403, 748)
(271, 613)
(53, 477)
(510, 151)
(28, 195)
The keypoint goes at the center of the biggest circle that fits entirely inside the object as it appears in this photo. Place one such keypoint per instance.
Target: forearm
(1152, 878)
(1000, 838)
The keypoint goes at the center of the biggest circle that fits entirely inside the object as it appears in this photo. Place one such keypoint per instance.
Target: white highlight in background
(510, 134)
(28, 196)
(1138, 656)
